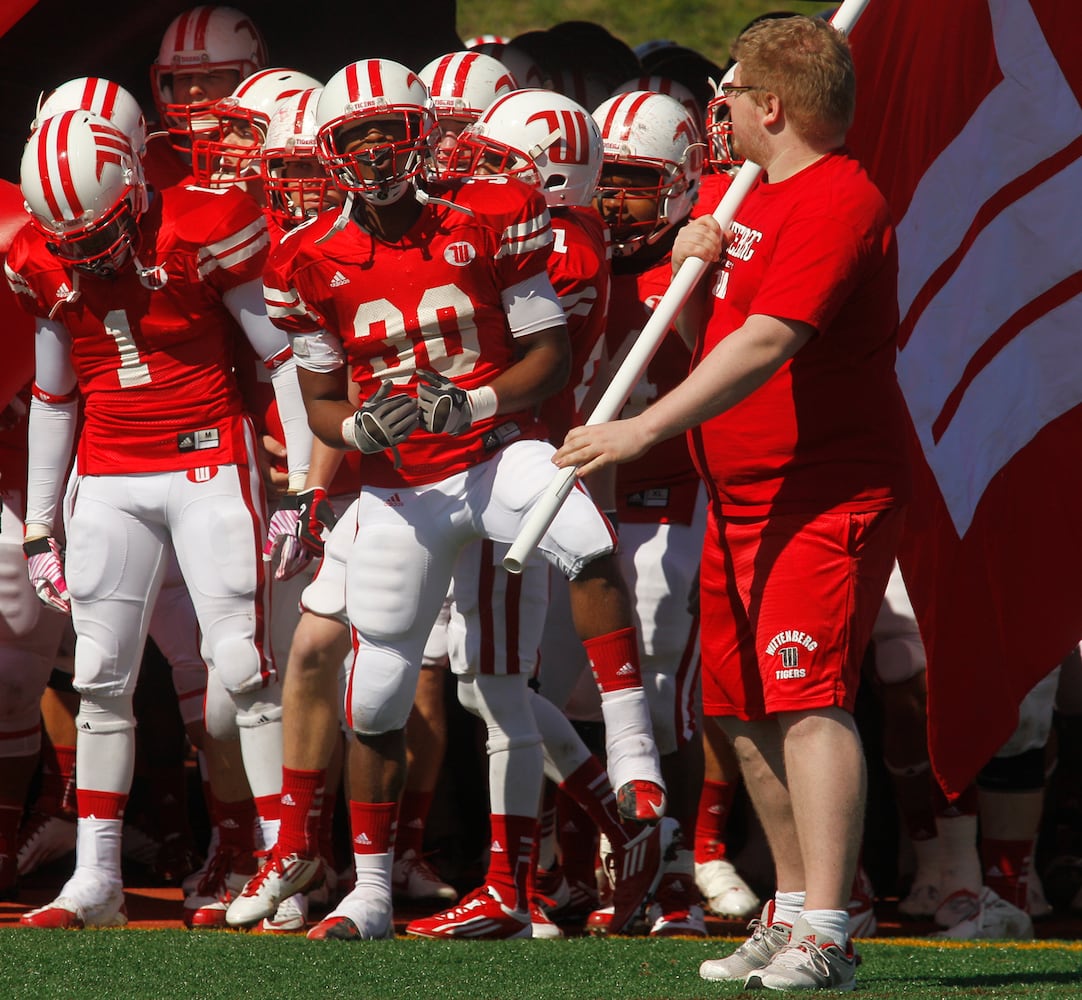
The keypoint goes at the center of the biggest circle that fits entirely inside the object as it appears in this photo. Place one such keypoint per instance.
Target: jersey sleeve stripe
(579, 303)
(525, 237)
(234, 249)
(18, 283)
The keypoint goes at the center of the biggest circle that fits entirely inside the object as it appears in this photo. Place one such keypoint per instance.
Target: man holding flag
(797, 426)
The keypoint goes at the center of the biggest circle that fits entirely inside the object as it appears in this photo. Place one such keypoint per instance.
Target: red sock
(715, 805)
(509, 858)
(1005, 863)
(236, 825)
(372, 825)
(412, 815)
(591, 790)
(101, 805)
(57, 797)
(301, 806)
(577, 834)
(614, 660)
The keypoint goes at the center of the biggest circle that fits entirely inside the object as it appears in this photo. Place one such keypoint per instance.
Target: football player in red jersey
(551, 143)
(797, 428)
(433, 297)
(137, 301)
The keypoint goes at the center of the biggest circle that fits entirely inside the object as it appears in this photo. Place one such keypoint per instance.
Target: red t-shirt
(155, 366)
(431, 300)
(826, 431)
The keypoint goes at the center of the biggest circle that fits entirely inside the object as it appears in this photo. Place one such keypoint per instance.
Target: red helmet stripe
(201, 23)
(441, 73)
(353, 87)
(47, 129)
(67, 184)
(463, 72)
(375, 78)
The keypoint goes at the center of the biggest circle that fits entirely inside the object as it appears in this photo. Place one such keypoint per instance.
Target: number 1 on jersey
(133, 370)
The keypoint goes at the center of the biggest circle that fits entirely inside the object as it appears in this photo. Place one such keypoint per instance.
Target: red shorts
(788, 604)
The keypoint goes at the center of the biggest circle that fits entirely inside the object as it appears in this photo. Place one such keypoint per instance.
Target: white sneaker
(206, 905)
(809, 963)
(767, 940)
(42, 839)
(412, 877)
(725, 892)
(361, 916)
(290, 917)
(991, 917)
(88, 899)
(920, 902)
(277, 880)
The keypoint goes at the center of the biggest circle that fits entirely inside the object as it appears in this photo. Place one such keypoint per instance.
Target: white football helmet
(543, 138)
(644, 129)
(463, 84)
(203, 39)
(376, 92)
(224, 156)
(84, 190)
(103, 97)
(293, 194)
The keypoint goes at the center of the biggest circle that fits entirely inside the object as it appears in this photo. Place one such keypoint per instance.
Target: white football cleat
(88, 899)
(725, 892)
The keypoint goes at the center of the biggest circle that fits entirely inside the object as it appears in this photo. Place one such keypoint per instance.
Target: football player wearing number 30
(433, 297)
(137, 296)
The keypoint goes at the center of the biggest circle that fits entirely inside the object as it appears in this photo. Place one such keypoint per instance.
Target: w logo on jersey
(111, 145)
(573, 131)
(459, 254)
(202, 474)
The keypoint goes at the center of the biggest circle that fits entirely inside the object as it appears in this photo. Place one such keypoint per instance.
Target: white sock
(787, 907)
(829, 925)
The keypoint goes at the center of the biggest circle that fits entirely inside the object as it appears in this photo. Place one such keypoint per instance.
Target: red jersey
(826, 431)
(661, 486)
(162, 165)
(579, 272)
(155, 366)
(430, 300)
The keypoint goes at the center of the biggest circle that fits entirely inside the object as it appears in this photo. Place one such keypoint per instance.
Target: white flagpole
(648, 341)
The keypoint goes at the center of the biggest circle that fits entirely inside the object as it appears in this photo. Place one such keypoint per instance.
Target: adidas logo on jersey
(63, 291)
(339, 280)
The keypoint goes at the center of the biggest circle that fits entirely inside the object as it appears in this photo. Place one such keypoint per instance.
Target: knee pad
(1023, 772)
(382, 685)
(502, 702)
(219, 712)
(258, 708)
(239, 663)
(98, 714)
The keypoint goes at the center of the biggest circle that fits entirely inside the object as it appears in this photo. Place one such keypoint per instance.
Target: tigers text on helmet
(102, 97)
(652, 133)
(294, 181)
(230, 152)
(543, 138)
(84, 191)
(377, 130)
(203, 40)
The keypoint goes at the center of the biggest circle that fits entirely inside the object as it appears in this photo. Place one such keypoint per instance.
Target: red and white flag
(970, 120)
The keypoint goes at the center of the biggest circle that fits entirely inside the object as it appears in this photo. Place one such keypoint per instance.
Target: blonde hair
(807, 63)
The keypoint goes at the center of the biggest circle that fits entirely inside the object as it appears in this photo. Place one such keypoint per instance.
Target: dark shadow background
(58, 40)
